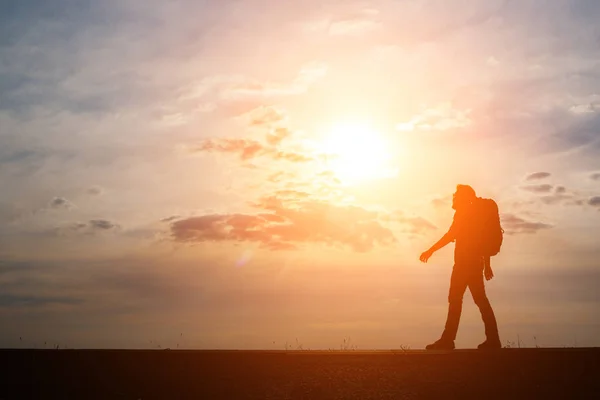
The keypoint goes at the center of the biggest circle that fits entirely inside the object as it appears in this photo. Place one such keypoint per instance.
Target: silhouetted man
(468, 271)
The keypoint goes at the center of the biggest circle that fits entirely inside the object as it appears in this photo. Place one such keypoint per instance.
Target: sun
(357, 152)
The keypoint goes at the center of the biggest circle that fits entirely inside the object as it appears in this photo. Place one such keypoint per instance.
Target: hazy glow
(406, 126)
(357, 153)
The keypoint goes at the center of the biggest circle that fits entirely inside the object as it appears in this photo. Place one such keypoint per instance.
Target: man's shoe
(442, 344)
(490, 345)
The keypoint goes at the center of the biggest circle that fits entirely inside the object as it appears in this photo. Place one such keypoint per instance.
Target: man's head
(463, 197)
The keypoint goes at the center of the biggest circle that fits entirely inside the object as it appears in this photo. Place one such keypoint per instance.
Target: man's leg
(477, 288)
(458, 285)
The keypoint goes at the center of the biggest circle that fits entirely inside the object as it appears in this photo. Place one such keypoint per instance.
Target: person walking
(471, 265)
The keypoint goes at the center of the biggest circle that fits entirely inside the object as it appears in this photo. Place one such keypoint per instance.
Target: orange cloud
(291, 219)
(248, 149)
(264, 115)
(245, 148)
(291, 156)
(278, 135)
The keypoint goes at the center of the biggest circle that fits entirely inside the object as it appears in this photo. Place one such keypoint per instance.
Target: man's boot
(441, 344)
(493, 344)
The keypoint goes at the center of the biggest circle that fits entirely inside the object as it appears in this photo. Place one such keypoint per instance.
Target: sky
(264, 175)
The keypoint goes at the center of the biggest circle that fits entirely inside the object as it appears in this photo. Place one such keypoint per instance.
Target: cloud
(590, 106)
(585, 108)
(244, 148)
(440, 118)
(95, 191)
(13, 300)
(360, 23)
(291, 156)
(515, 225)
(240, 88)
(552, 195)
(264, 116)
(442, 202)
(60, 202)
(102, 224)
(555, 198)
(537, 175)
(277, 135)
(281, 176)
(595, 176)
(353, 27)
(594, 201)
(288, 220)
(413, 224)
(90, 227)
(543, 188)
(248, 149)
(346, 22)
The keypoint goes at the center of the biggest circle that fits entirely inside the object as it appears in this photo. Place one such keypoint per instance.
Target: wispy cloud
(91, 227)
(543, 188)
(440, 118)
(235, 88)
(248, 149)
(537, 175)
(245, 148)
(11, 300)
(412, 224)
(513, 224)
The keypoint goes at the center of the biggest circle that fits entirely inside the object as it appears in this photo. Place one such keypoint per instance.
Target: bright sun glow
(358, 153)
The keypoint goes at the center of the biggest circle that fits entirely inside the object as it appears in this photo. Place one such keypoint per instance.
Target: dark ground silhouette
(233, 375)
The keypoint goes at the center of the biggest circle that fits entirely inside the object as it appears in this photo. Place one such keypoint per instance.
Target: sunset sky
(242, 174)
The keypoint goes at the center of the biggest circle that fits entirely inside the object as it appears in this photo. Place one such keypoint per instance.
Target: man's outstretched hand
(488, 273)
(425, 256)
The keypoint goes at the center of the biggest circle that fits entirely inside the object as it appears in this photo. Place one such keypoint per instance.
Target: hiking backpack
(492, 232)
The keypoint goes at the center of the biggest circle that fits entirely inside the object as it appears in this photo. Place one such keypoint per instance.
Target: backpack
(492, 232)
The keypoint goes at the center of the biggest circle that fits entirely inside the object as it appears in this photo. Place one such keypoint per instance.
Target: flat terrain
(311, 375)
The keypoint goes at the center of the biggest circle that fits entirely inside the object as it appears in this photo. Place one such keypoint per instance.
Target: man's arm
(447, 238)
(487, 268)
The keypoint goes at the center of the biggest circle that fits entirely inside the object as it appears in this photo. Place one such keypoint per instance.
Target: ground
(311, 375)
